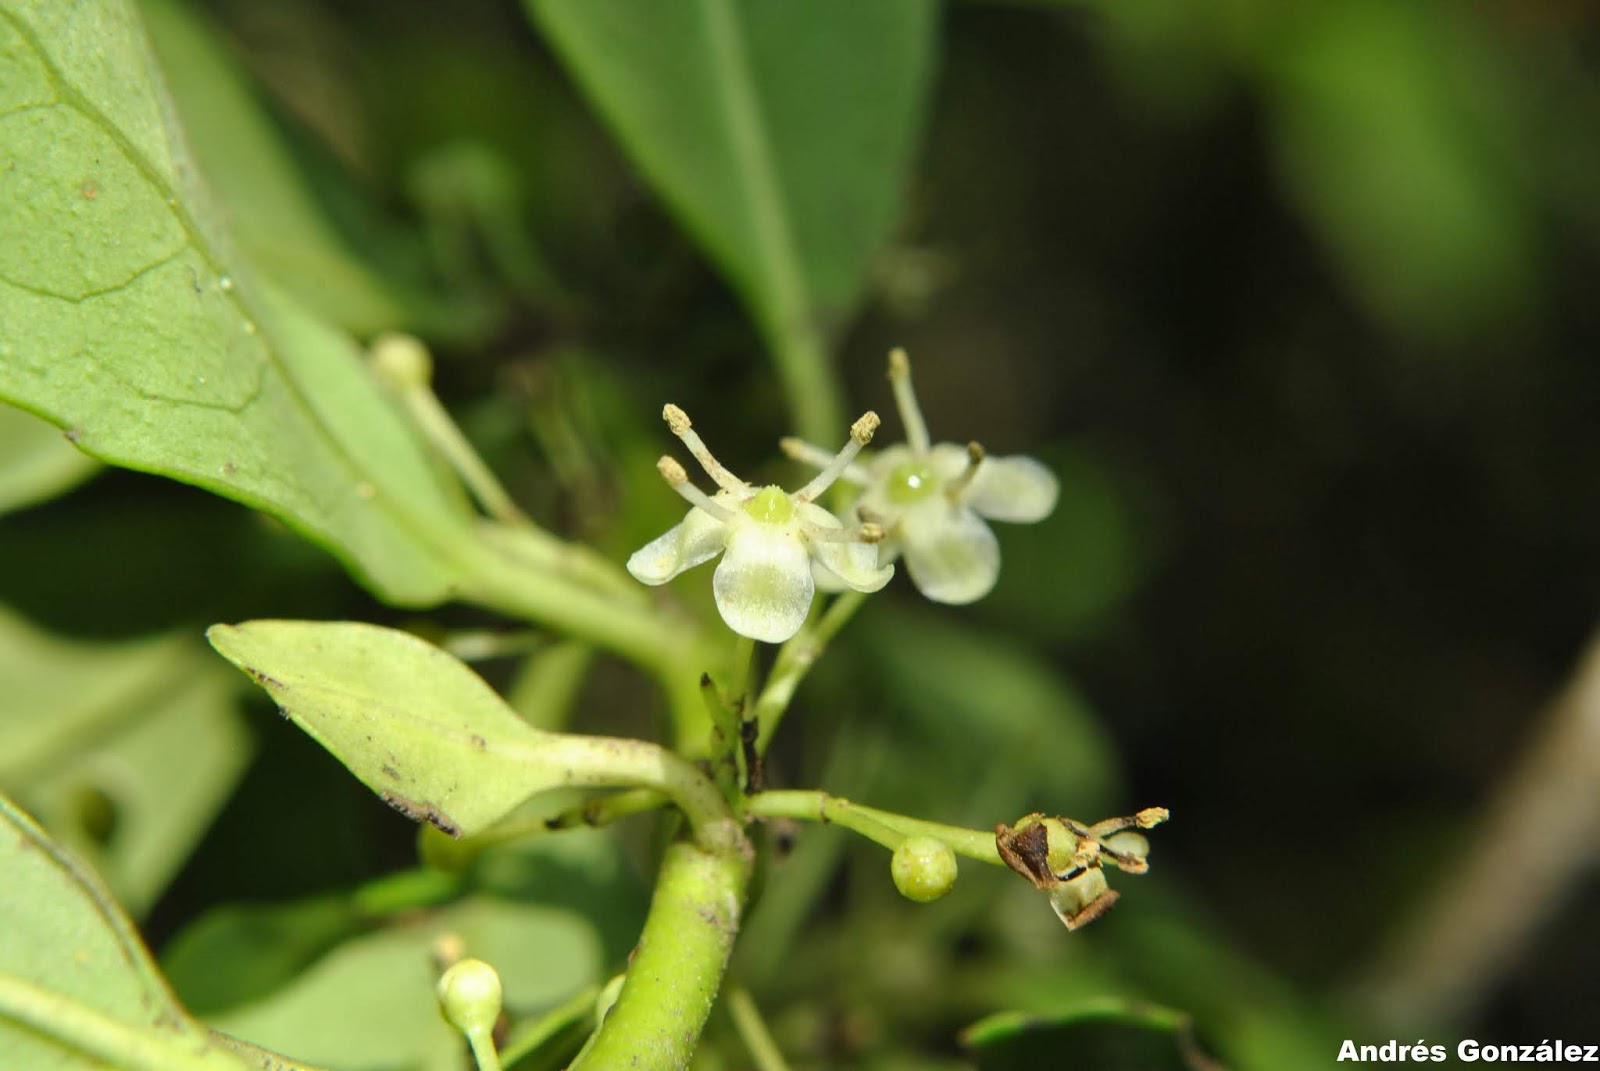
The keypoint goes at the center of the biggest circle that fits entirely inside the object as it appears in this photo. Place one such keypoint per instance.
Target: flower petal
(856, 564)
(763, 584)
(684, 546)
(950, 553)
(1017, 489)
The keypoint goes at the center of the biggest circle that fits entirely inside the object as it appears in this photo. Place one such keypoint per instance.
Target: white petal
(854, 563)
(685, 546)
(1017, 489)
(950, 553)
(763, 584)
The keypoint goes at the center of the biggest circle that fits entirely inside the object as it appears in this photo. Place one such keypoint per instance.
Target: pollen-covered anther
(899, 364)
(864, 428)
(672, 470)
(860, 434)
(1151, 817)
(870, 532)
(678, 421)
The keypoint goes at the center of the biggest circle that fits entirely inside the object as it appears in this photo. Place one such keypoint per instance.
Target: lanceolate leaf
(780, 131)
(415, 725)
(128, 318)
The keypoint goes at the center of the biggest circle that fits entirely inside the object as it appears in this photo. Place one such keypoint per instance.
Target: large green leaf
(370, 1003)
(126, 751)
(130, 319)
(36, 463)
(77, 989)
(413, 723)
(275, 214)
(780, 132)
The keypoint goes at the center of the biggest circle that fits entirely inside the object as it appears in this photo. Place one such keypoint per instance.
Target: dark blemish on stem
(422, 811)
(390, 772)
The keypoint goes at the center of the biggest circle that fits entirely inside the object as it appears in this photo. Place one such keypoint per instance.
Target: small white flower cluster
(923, 500)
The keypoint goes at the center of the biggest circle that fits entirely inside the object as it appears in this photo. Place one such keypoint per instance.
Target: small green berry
(924, 869)
(469, 996)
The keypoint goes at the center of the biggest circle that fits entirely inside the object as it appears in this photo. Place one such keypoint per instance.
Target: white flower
(932, 498)
(778, 543)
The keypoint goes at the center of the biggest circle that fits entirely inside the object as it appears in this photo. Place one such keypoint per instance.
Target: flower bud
(469, 995)
(924, 869)
(401, 360)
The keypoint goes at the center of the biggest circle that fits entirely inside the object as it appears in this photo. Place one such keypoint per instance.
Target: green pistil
(910, 482)
(770, 505)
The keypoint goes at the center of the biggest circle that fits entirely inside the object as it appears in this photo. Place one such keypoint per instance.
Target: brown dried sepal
(1025, 848)
(1092, 910)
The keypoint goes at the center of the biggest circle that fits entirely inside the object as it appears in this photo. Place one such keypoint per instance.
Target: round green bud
(924, 869)
(402, 360)
(469, 996)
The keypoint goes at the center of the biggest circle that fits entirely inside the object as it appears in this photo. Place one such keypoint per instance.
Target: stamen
(860, 435)
(861, 533)
(958, 486)
(905, 399)
(679, 424)
(673, 472)
(1148, 818)
(818, 458)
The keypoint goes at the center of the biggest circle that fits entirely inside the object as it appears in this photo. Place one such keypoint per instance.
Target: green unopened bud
(402, 360)
(469, 996)
(924, 869)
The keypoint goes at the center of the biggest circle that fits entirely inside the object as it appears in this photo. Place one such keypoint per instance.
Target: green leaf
(36, 462)
(125, 751)
(370, 1003)
(1110, 1035)
(780, 132)
(241, 953)
(276, 218)
(77, 989)
(130, 319)
(414, 724)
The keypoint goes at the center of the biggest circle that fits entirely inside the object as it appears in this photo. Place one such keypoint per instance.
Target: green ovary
(911, 482)
(770, 505)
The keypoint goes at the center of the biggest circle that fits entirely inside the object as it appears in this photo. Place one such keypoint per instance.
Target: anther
(870, 533)
(677, 420)
(672, 470)
(860, 434)
(899, 363)
(863, 430)
(679, 424)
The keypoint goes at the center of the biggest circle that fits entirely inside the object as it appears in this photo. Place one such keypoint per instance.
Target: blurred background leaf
(36, 461)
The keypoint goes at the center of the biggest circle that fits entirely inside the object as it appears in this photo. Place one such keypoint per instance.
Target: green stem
(612, 762)
(677, 968)
(445, 435)
(884, 827)
(753, 1031)
(532, 1036)
(483, 1050)
(795, 660)
(80, 1029)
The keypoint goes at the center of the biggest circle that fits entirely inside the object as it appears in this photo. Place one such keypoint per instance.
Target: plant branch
(677, 967)
(1537, 837)
(884, 827)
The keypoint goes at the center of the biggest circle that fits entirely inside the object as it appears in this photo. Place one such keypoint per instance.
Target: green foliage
(126, 751)
(127, 308)
(36, 463)
(101, 1004)
(415, 725)
(781, 134)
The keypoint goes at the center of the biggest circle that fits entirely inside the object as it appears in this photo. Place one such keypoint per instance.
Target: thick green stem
(884, 827)
(678, 965)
